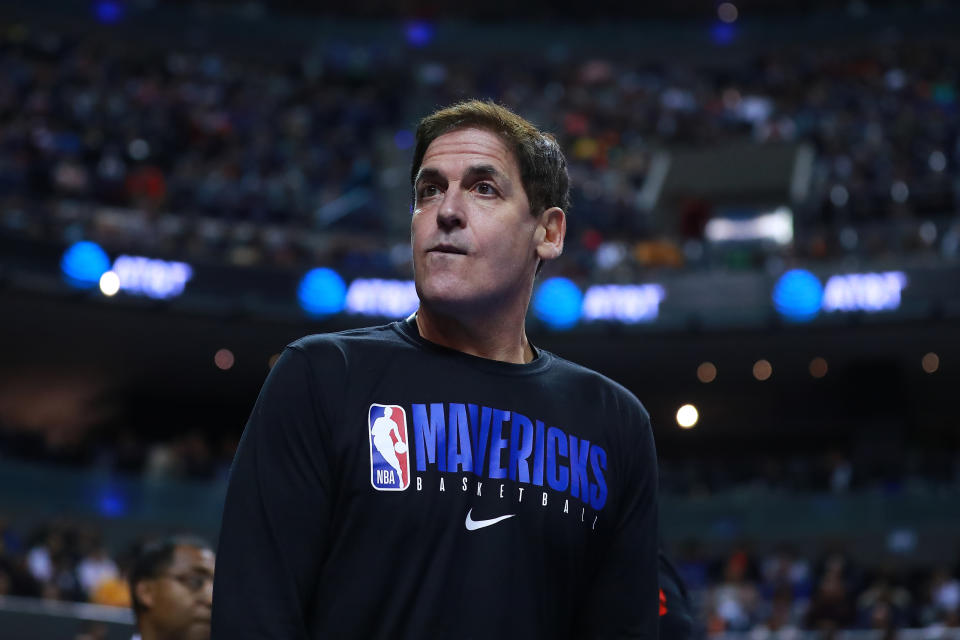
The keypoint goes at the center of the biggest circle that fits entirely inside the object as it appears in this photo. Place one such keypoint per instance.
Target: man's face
(473, 237)
(180, 599)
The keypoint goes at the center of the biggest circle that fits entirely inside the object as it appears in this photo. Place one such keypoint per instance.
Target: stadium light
(224, 359)
(706, 372)
(762, 370)
(109, 283)
(687, 416)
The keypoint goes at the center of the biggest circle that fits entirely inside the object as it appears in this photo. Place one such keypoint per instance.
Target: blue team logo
(389, 451)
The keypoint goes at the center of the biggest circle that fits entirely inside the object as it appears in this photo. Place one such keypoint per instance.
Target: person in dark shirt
(676, 617)
(171, 588)
(440, 477)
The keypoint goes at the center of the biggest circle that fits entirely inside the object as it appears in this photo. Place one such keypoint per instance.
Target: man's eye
(485, 189)
(428, 190)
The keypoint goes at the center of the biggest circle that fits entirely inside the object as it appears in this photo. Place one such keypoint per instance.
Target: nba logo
(389, 455)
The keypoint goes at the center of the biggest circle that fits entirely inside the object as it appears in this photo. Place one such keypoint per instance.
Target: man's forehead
(469, 146)
(189, 557)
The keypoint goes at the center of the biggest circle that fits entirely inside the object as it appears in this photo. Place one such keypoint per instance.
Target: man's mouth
(448, 248)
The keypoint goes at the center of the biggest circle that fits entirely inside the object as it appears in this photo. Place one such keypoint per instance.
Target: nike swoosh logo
(473, 525)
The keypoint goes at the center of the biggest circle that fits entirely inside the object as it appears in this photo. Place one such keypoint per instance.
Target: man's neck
(147, 632)
(505, 340)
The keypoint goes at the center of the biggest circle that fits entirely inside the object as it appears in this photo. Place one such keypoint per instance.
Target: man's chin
(198, 631)
(445, 296)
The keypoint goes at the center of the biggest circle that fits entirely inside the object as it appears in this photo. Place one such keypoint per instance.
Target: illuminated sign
(384, 298)
(157, 279)
(799, 296)
(630, 303)
(864, 291)
(776, 226)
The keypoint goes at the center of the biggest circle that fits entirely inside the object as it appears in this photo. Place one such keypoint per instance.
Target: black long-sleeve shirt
(387, 487)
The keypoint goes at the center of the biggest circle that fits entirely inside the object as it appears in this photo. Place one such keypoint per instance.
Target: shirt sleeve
(274, 532)
(625, 599)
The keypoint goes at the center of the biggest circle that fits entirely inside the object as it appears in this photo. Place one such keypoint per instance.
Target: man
(676, 617)
(529, 506)
(171, 587)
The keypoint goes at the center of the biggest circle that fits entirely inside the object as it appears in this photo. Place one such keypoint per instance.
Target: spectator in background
(734, 604)
(831, 607)
(171, 586)
(95, 569)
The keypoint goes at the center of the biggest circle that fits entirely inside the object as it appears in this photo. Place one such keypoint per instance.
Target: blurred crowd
(771, 594)
(744, 590)
(252, 160)
(867, 468)
(190, 455)
(65, 562)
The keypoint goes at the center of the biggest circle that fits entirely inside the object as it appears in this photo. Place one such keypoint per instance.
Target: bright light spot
(775, 225)
(322, 292)
(727, 12)
(797, 295)
(273, 360)
(83, 263)
(224, 359)
(818, 367)
(938, 161)
(930, 362)
(706, 372)
(899, 191)
(687, 416)
(762, 370)
(109, 283)
(557, 303)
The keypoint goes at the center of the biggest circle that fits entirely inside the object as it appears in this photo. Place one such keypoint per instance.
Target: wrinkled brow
(474, 172)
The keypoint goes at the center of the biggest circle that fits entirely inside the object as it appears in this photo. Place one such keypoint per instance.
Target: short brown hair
(543, 167)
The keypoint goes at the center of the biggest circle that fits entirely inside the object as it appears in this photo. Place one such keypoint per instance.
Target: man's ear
(550, 233)
(144, 593)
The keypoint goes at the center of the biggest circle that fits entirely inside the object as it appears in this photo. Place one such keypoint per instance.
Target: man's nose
(206, 593)
(450, 214)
